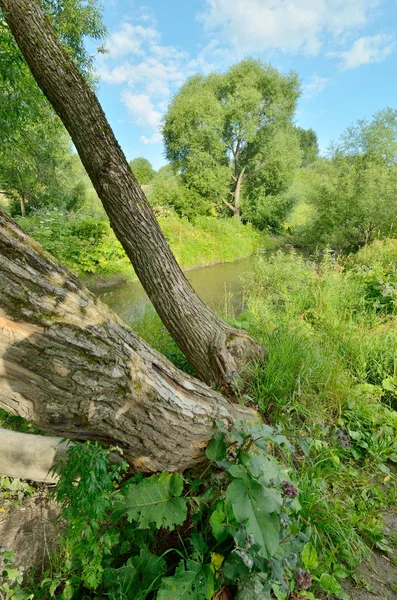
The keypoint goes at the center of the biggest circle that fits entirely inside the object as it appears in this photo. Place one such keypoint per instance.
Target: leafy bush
(353, 193)
(231, 526)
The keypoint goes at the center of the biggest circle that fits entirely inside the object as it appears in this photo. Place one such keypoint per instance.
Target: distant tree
(216, 127)
(142, 170)
(375, 141)
(168, 190)
(38, 169)
(309, 145)
(355, 192)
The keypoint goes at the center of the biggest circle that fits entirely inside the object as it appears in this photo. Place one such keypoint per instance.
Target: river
(218, 285)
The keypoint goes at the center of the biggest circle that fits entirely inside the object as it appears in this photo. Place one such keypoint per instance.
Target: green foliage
(39, 170)
(192, 581)
(168, 192)
(328, 379)
(309, 145)
(82, 243)
(220, 129)
(87, 245)
(35, 151)
(267, 199)
(12, 491)
(156, 501)
(168, 536)
(142, 170)
(354, 193)
(11, 579)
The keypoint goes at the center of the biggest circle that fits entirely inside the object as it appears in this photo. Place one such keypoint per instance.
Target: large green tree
(354, 194)
(216, 127)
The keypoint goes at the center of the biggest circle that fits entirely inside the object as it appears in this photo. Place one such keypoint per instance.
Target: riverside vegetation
(279, 509)
(284, 509)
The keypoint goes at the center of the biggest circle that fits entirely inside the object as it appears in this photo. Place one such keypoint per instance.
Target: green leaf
(265, 468)
(332, 586)
(309, 557)
(390, 384)
(219, 531)
(156, 500)
(251, 588)
(135, 580)
(216, 449)
(234, 568)
(193, 582)
(256, 506)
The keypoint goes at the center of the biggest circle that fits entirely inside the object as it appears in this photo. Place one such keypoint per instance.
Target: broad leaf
(156, 500)
(193, 582)
(216, 449)
(135, 580)
(309, 557)
(256, 506)
(252, 588)
(332, 586)
(217, 520)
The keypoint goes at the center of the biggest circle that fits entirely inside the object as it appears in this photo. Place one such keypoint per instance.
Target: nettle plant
(228, 532)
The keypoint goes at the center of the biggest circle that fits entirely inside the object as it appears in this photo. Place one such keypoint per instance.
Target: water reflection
(218, 285)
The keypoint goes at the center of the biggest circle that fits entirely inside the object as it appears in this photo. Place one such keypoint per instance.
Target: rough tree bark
(74, 369)
(214, 348)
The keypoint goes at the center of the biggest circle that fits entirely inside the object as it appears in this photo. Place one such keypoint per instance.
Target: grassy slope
(89, 247)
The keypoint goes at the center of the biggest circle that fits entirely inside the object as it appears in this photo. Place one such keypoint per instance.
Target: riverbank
(89, 248)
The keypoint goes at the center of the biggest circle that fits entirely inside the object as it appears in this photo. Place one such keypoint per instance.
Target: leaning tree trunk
(74, 369)
(214, 348)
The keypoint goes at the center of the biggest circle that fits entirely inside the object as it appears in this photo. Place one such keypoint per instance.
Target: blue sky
(345, 52)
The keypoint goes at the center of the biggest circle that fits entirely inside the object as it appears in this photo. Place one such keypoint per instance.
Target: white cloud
(156, 138)
(369, 49)
(315, 86)
(148, 71)
(129, 39)
(290, 26)
(141, 107)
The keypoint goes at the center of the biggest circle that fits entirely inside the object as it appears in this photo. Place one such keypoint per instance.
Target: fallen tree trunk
(29, 456)
(214, 349)
(74, 369)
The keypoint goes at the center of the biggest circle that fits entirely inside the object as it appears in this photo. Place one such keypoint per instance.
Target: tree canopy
(354, 194)
(142, 170)
(309, 145)
(217, 127)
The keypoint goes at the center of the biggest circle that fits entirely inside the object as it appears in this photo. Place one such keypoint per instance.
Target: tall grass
(332, 343)
(331, 333)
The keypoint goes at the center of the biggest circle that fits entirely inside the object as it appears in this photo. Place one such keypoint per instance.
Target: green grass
(332, 342)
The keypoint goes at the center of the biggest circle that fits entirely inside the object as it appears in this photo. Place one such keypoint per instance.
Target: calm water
(219, 286)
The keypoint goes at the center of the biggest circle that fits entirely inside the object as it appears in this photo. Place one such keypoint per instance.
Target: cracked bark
(213, 348)
(74, 369)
